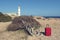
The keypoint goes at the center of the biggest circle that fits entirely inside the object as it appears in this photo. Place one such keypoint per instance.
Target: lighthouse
(19, 11)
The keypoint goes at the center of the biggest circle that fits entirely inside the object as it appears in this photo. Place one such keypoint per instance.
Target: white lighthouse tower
(19, 10)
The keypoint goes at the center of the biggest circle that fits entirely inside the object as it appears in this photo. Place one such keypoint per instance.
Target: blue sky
(32, 7)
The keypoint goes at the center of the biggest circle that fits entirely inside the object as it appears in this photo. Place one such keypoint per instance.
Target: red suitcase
(48, 31)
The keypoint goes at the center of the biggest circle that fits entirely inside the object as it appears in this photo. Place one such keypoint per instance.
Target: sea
(51, 16)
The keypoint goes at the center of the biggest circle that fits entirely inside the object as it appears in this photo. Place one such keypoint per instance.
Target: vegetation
(24, 22)
(4, 18)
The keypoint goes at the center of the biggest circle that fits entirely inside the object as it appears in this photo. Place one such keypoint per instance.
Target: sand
(21, 35)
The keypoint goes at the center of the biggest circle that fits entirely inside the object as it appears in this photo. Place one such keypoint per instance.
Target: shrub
(4, 18)
(24, 21)
(13, 27)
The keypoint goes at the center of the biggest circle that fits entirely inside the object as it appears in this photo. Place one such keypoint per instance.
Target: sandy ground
(55, 26)
(21, 35)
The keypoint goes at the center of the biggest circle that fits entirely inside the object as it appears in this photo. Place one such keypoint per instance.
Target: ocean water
(51, 16)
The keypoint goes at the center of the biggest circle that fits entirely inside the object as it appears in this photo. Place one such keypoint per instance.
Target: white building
(19, 11)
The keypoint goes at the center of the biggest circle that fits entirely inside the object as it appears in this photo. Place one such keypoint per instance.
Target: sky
(31, 7)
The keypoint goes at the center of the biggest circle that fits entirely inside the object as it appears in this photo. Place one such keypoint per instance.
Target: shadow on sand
(42, 33)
